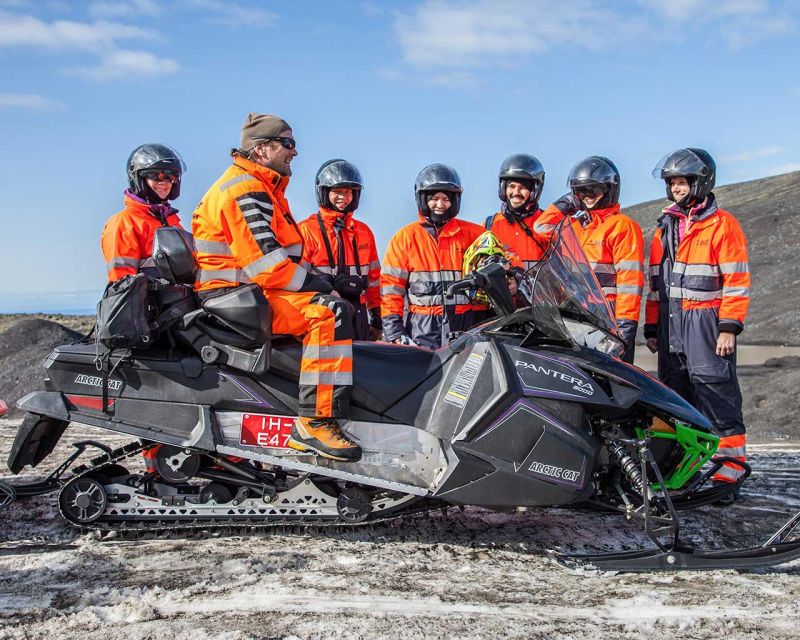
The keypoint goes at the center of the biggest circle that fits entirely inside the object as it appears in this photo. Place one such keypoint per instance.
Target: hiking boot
(324, 437)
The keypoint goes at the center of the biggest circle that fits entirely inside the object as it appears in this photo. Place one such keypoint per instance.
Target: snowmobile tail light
(698, 447)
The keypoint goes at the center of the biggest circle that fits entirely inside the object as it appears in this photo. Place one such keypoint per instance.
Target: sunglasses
(162, 176)
(590, 191)
(286, 143)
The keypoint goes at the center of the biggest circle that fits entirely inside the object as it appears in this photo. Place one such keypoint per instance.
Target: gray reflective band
(116, 263)
(259, 203)
(229, 183)
(742, 292)
(628, 265)
(392, 290)
(213, 246)
(230, 275)
(632, 289)
(374, 265)
(335, 378)
(434, 276)
(728, 472)
(258, 224)
(316, 352)
(298, 279)
(609, 290)
(294, 250)
(602, 267)
(325, 269)
(700, 270)
(373, 283)
(734, 267)
(396, 272)
(692, 294)
(263, 234)
(265, 262)
(437, 300)
(655, 269)
(541, 227)
(734, 452)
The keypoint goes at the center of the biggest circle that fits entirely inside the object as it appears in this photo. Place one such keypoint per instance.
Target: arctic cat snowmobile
(529, 409)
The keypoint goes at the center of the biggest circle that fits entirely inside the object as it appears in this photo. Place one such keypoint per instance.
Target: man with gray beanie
(244, 232)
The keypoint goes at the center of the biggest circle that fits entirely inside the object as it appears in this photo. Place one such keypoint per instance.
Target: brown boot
(324, 437)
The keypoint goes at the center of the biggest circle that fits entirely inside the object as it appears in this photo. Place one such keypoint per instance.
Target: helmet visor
(683, 162)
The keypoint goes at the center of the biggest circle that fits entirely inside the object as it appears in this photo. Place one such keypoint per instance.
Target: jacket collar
(275, 181)
(698, 213)
(329, 216)
(601, 215)
(451, 227)
(140, 207)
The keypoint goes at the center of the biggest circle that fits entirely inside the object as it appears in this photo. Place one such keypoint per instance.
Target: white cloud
(29, 102)
(229, 14)
(746, 156)
(127, 9)
(129, 65)
(28, 31)
(484, 33)
(787, 167)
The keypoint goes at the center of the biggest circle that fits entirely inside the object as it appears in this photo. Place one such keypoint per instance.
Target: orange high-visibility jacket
(709, 271)
(127, 238)
(528, 242)
(418, 266)
(244, 232)
(355, 233)
(614, 245)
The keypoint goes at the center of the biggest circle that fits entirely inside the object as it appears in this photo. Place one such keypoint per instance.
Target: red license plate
(266, 431)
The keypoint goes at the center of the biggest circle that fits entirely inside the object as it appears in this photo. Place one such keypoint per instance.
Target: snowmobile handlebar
(473, 281)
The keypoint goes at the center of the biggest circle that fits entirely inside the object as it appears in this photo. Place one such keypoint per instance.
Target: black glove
(568, 204)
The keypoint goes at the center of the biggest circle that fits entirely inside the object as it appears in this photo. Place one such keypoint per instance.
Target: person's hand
(726, 343)
(568, 204)
(652, 344)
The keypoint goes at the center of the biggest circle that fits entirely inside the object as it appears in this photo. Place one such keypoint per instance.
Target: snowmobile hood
(652, 392)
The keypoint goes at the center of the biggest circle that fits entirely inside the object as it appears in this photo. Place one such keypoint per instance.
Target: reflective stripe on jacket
(614, 245)
(316, 255)
(418, 267)
(127, 238)
(244, 232)
(530, 245)
(706, 271)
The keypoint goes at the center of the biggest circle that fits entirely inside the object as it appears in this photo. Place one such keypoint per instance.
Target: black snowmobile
(530, 409)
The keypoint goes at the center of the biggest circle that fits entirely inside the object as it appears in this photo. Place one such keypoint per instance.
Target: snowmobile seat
(382, 373)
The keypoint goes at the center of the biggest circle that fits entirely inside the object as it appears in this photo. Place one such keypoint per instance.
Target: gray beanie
(261, 125)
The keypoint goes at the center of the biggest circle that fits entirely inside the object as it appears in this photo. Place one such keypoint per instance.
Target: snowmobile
(532, 408)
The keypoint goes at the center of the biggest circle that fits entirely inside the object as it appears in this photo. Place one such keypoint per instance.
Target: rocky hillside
(23, 347)
(769, 210)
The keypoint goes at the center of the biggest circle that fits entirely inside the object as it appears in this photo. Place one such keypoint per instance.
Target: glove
(568, 204)
(405, 340)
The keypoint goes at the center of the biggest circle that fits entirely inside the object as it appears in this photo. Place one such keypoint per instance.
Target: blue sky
(389, 86)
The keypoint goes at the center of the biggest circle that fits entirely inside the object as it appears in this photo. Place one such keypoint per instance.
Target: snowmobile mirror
(173, 255)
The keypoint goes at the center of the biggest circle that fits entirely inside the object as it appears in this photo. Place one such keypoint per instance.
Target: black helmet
(154, 157)
(338, 174)
(522, 168)
(696, 165)
(596, 170)
(432, 179)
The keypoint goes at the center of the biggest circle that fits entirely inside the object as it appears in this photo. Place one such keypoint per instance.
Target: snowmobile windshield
(566, 299)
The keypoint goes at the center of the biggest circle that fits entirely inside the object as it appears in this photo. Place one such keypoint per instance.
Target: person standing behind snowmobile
(154, 178)
(699, 297)
(244, 232)
(422, 259)
(341, 248)
(613, 242)
(520, 224)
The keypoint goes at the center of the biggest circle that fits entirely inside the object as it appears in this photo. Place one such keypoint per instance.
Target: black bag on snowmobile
(137, 309)
(125, 312)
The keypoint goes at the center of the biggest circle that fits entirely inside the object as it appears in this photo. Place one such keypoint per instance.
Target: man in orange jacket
(341, 248)
(520, 224)
(699, 297)
(244, 232)
(422, 259)
(613, 242)
(154, 178)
